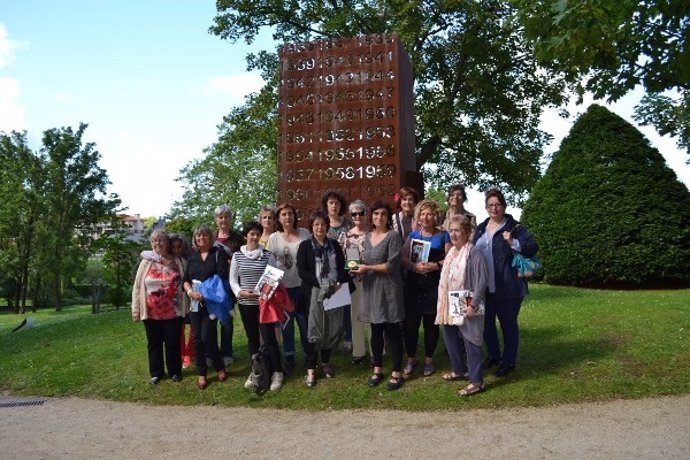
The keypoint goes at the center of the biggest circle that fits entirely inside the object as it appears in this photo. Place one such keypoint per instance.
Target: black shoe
(176, 378)
(357, 360)
(375, 379)
(504, 369)
(395, 383)
(491, 362)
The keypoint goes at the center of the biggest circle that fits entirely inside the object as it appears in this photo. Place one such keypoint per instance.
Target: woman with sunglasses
(499, 237)
(354, 244)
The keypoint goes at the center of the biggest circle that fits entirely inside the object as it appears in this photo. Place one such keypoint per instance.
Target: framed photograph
(419, 250)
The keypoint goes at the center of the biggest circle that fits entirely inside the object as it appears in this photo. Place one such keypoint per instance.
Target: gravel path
(89, 429)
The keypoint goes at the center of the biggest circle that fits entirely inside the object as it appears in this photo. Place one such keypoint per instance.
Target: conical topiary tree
(608, 211)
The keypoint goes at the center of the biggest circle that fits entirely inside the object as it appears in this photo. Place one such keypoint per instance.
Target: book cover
(268, 282)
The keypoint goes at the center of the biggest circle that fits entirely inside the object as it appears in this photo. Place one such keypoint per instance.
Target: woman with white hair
(354, 245)
(157, 302)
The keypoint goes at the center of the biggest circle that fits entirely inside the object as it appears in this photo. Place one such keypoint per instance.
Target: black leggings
(393, 333)
(431, 333)
(256, 332)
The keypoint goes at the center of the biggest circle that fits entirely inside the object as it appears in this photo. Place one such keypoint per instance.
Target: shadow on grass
(543, 350)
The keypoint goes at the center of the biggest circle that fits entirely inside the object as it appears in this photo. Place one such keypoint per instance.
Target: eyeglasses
(494, 205)
(358, 214)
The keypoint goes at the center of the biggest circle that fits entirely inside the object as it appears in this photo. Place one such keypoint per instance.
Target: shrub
(608, 211)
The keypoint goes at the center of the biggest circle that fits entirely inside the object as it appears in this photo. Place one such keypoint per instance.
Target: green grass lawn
(576, 345)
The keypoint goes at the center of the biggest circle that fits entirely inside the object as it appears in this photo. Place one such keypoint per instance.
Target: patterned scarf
(452, 279)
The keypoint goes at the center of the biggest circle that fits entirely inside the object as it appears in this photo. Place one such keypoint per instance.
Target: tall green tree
(609, 211)
(76, 202)
(612, 46)
(120, 256)
(478, 93)
(22, 182)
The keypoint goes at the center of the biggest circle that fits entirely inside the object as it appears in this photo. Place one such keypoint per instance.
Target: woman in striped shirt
(246, 268)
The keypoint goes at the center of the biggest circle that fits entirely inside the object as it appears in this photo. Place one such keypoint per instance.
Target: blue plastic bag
(216, 298)
(526, 267)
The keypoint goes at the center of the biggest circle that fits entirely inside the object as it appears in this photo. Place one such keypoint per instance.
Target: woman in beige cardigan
(157, 302)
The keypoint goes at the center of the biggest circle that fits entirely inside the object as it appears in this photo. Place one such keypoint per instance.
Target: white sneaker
(276, 381)
(248, 384)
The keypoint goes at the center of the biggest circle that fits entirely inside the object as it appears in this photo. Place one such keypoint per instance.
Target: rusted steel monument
(346, 120)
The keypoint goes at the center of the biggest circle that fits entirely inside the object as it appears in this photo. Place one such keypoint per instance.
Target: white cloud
(236, 86)
(7, 47)
(12, 113)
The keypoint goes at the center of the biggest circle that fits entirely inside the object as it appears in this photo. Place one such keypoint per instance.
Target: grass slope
(576, 345)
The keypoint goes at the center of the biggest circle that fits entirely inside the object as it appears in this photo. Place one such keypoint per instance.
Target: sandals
(202, 383)
(375, 379)
(429, 369)
(409, 368)
(471, 389)
(453, 377)
(310, 380)
(395, 383)
(222, 376)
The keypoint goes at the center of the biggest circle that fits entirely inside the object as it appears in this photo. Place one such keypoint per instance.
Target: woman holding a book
(321, 266)
(422, 256)
(246, 268)
(283, 243)
(381, 298)
(461, 292)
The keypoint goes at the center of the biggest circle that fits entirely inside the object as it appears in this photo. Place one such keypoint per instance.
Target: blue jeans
(289, 327)
(507, 311)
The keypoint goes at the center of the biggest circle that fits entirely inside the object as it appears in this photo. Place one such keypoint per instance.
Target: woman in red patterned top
(157, 302)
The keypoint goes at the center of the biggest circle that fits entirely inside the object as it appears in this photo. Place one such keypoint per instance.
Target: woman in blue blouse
(499, 237)
(421, 285)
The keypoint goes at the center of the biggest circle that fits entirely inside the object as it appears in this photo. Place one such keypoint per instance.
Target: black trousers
(256, 332)
(431, 334)
(164, 335)
(205, 336)
(393, 338)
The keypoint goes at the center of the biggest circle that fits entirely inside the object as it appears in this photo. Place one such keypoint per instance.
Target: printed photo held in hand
(268, 282)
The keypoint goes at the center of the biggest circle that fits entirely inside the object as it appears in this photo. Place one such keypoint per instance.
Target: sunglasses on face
(358, 214)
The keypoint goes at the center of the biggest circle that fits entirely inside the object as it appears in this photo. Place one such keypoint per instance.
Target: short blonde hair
(427, 204)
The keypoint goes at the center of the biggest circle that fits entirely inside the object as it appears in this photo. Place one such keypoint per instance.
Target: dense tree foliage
(609, 211)
(22, 186)
(50, 205)
(615, 46)
(479, 92)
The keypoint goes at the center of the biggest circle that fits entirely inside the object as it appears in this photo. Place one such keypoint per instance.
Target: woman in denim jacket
(499, 237)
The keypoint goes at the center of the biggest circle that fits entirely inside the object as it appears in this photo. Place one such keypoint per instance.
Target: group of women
(463, 283)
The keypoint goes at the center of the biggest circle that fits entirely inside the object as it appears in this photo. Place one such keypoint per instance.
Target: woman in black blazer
(321, 266)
